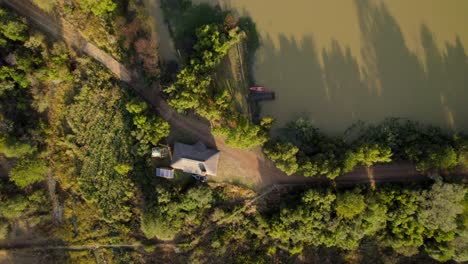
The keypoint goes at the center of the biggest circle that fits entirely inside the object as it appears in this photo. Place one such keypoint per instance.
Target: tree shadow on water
(406, 85)
(447, 72)
(291, 69)
(336, 89)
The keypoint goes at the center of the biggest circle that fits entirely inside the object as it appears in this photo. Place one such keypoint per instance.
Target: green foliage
(174, 210)
(14, 207)
(11, 27)
(28, 171)
(350, 204)
(440, 207)
(4, 228)
(245, 134)
(123, 169)
(97, 119)
(284, 156)
(46, 5)
(436, 157)
(193, 90)
(428, 147)
(11, 148)
(401, 218)
(367, 155)
(150, 128)
(100, 8)
(158, 226)
(9, 77)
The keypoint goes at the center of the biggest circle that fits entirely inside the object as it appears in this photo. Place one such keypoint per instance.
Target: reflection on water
(340, 61)
(166, 47)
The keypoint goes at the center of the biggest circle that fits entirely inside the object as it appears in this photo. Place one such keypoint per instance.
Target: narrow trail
(250, 165)
(248, 204)
(51, 244)
(61, 29)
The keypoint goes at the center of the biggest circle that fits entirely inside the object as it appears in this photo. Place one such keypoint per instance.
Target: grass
(231, 76)
(46, 5)
(182, 179)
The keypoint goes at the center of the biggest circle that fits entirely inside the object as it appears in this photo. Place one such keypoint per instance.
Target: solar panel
(165, 173)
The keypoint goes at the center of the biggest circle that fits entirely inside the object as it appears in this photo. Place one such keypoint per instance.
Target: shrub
(28, 171)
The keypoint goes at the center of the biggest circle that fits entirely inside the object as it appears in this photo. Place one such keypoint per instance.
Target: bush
(160, 227)
(100, 8)
(348, 205)
(4, 228)
(28, 171)
(428, 147)
(14, 207)
(46, 5)
(14, 149)
(12, 28)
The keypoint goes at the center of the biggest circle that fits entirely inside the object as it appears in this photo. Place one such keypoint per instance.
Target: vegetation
(304, 150)
(98, 7)
(46, 5)
(195, 89)
(28, 171)
(174, 211)
(150, 128)
(395, 216)
(124, 29)
(400, 220)
(66, 118)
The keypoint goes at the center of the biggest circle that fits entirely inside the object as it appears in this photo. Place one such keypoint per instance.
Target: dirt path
(61, 29)
(53, 244)
(250, 166)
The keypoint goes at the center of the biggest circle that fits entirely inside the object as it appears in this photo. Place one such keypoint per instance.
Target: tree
(12, 27)
(100, 8)
(12, 148)
(4, 228)
(284, 156)
(350, 204)
(441, 206)
(157, 225)
(28, 171)
(432, 157)
(14, 207)
(405, 233)
(150, 128)
(244, 134)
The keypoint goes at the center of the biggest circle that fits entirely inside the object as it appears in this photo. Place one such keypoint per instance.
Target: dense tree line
(25, 63)
(174, 210)
(403, 220)
(66, 117)
(304, 150)
(21, 129)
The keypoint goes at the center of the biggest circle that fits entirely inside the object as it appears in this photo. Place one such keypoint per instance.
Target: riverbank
(336, 63)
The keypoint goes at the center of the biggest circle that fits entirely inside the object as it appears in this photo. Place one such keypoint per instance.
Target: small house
(195, 159)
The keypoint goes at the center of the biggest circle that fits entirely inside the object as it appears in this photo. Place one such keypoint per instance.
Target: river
(339, 61)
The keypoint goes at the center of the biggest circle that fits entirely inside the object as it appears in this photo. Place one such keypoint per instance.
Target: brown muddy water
(166, 49)
(339, 61)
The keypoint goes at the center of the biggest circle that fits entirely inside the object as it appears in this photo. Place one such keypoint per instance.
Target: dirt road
(247, 166)
(61, 29)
